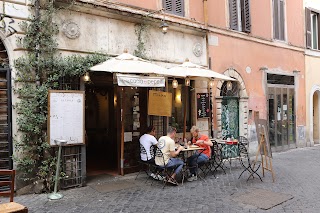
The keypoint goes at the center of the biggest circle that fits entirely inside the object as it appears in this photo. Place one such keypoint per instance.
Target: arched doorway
(232, 106)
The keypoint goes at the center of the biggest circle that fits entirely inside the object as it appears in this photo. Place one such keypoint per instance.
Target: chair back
(159, 154)
(143, 152)
(242, 143)
(7, 182)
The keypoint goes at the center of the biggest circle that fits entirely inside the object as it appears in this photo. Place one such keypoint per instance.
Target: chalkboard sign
(66, 116)
(203, 108)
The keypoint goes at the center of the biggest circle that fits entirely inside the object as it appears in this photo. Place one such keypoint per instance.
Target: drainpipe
(206, 20)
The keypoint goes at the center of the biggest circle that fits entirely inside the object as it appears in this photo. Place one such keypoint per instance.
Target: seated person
(147, 141)
(203, 142)
(167, 146)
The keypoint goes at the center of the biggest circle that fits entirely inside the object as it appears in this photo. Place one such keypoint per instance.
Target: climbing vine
(142, 33)
(37, 71)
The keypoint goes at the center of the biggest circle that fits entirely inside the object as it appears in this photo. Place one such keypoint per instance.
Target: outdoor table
(229, 150)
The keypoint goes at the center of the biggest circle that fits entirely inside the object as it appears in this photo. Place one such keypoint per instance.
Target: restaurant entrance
(101, 131)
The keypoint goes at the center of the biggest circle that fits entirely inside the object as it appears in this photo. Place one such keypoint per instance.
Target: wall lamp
(164, 26)
(86, 77)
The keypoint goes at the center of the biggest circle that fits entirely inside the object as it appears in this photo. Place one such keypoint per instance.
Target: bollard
(55, 195)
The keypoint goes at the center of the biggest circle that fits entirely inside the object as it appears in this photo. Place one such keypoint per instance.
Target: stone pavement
(297, 173)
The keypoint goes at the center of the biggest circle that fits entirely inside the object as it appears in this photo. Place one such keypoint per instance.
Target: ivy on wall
(38, 71)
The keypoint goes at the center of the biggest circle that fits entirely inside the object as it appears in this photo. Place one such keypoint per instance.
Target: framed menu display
(66, 116)
(203, 107)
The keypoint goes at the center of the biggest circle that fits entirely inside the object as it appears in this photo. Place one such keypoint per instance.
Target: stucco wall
(262, 19)
(312, 85)
(248, 57)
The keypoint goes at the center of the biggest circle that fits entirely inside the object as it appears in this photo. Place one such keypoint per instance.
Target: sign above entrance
(140, 81)
(160, 103)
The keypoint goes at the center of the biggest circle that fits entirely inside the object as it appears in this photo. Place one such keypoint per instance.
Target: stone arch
(314, 90)
(243, 103)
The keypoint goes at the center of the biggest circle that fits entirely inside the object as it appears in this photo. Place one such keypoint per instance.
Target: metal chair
(7, 183)
(145, 166)
(245, 158)
(216, 160)
(164, 171)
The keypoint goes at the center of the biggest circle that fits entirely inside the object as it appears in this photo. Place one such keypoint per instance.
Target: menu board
(160, 103)
(66, 116)
(203, 108)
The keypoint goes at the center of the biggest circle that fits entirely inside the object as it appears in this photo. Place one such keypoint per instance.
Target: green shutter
(245, 13)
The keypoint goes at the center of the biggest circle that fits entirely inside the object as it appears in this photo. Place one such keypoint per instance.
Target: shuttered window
(175, 7)
(278, 20)
(239, 11)
(312, 29)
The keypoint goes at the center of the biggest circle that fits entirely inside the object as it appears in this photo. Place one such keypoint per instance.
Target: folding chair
(202, 166)
(245, 158)
(7, 184)
(145, 166)
(164, 171)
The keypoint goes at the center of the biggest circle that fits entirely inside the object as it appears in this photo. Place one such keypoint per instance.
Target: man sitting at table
(201, 156)
(167, 146)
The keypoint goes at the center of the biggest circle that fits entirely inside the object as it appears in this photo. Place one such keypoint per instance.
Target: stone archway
(243, 103)
(314, 115)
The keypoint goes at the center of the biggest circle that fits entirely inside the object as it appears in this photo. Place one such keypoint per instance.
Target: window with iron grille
(72, 156)
(312, 29)
(239, 11)
(175, 7)
(279, 19)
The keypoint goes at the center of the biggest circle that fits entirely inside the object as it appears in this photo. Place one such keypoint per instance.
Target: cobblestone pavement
(297, 173)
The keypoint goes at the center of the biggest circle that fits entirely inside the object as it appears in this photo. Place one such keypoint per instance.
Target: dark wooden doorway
(101, 132)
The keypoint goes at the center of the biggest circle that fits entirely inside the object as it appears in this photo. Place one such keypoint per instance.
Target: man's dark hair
(150, 129)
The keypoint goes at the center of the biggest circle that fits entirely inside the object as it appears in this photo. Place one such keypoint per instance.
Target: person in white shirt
(147, 141)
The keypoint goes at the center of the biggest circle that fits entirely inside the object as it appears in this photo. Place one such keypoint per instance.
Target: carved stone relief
(71, 29)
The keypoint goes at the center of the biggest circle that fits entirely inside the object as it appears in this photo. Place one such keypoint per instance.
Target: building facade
(257, 43)
(312, 64)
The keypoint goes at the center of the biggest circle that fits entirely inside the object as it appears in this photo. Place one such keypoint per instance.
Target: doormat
(263, 199)
(112, 186)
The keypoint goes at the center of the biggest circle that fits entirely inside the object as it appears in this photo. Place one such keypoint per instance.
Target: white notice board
(66, 116)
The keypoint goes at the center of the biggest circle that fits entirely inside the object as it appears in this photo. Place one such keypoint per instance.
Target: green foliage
(142, 33)
(38, 71)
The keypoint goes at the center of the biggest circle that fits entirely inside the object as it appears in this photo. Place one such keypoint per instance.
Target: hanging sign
(203, 108)
(160, 103)
(140, 81)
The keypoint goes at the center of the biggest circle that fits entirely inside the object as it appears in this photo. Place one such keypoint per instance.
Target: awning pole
(122, 134)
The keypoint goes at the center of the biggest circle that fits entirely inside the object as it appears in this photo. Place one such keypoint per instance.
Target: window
(175, 7)
(278, 20)
(239, 11)
(312, 28)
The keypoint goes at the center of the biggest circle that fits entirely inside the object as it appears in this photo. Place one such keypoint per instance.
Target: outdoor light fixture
(86, 77)
(164, 26)
(211, 83)
(187, 82)
(174, 83)
(229, 85)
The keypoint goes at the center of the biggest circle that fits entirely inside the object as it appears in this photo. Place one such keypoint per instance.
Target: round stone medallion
(71, 29)
(197, 49)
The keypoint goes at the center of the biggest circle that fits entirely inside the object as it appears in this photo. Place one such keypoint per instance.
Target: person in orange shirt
(201, 156)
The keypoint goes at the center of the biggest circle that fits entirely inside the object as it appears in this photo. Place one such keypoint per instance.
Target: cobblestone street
(296, 173)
